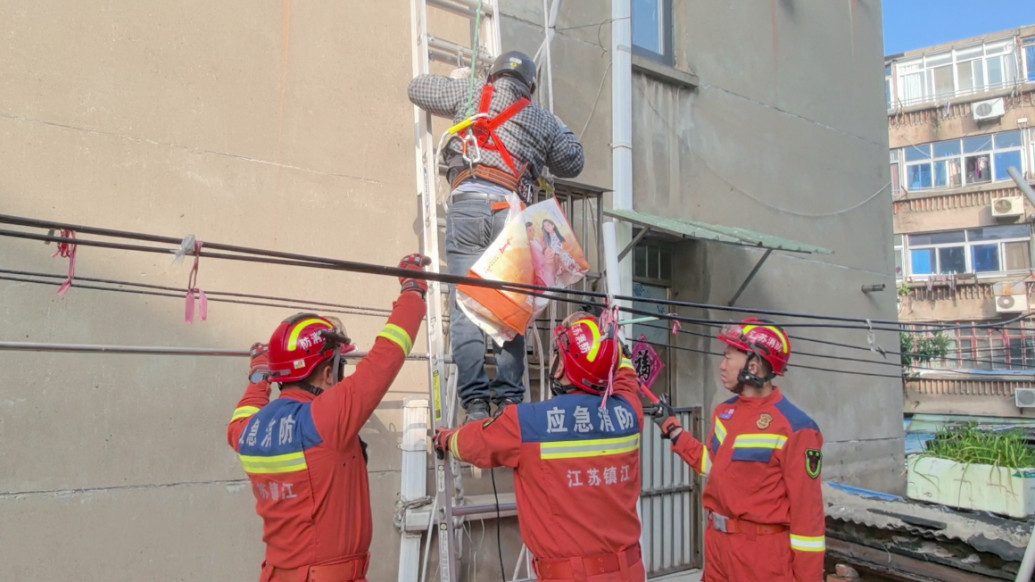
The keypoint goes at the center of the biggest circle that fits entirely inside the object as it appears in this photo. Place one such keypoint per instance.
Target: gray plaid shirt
(534, 136)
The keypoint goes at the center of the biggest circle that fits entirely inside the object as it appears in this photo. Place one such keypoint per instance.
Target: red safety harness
(484, 128)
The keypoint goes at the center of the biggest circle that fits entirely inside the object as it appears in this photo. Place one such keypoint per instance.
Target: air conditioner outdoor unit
(1011, 303)
(1024, 397)
(991, 109)
(1008, 207)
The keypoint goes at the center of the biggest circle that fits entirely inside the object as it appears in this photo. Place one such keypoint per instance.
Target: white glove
(460, 73)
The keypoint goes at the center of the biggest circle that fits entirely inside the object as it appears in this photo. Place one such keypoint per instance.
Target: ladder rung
(467, 8)
(453, 49)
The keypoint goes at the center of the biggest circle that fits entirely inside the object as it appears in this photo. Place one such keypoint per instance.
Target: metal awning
(691, 229)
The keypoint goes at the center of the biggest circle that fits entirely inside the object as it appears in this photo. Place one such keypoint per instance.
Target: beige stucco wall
(285, 125)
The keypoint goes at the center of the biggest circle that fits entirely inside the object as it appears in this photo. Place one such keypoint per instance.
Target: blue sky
(913, 24)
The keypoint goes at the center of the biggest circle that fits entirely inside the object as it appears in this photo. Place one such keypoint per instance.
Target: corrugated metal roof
(715, 233)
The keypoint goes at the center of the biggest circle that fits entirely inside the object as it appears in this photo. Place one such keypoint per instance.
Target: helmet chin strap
(555, 383)
(745, 377)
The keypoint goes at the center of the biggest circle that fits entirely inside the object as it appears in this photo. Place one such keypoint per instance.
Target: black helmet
(516, 64)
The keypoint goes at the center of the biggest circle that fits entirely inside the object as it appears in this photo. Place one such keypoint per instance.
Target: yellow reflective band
(591, 448)
(783, 337)
(706, 462)
(288, 463)
(297, 330)
(720, 431)
(808, 544)
(397, 335)
(453, 445)
(760, 441)
(626, 364)
(244, 412)
(597, 338)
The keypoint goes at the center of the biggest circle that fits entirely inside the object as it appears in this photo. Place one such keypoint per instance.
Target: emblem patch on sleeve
(813, 462)
(764, 420)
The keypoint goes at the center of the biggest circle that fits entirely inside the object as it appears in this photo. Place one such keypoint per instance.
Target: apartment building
(960, 116)
(286, 125)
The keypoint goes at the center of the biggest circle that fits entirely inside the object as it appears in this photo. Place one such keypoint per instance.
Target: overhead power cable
(294, 259)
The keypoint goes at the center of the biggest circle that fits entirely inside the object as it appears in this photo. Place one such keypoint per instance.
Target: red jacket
(576, 468)
(764, 456)
(304, 457)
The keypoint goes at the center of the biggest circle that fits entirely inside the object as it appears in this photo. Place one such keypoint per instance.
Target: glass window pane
(917, 153)
(1004, 161)
(983, 359)
(1029, 53)
(896, 187)
(981, 143)
(995, 71)
(966, 356)
(952, 260)
(969, 53)
(640, 261)
(1017, 255)
(979, 169)
(941, 81)
(898, 240)
(646, 24)
(1008, 139)
(979, 73)
(1016, 353)
(919, 176)
(921, 262)
(894, 155)
(998, 353)
(937, 238)
(666, 264)
(965, 76)
(985, 258)
(999, 232)
(944, 149)
(941, 175)
(936, 60)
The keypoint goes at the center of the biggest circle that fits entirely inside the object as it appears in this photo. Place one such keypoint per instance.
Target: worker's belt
(498, 202)
(354, 568)
(740, 526)
(498, 177)
(582, 568)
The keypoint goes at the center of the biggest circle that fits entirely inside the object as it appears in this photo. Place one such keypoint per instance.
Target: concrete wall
(787, 136)
(285, 125)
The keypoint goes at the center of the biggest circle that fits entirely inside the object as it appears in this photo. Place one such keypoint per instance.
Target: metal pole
(148, 350)
(1022, 184)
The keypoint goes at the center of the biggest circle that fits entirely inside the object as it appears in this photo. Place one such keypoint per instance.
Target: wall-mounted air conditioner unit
(1011, 303)
(1024, 397)
(1008, 207)
(991, 109)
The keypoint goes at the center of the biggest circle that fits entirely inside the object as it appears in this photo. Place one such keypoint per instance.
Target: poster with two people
(537, 247)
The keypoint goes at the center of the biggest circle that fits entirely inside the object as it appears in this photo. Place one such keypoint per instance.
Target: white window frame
(961, 158)
(1004, 51)
(1027, 72)
(898, 243)
(896, 172)
(666, 32)
(968, 253)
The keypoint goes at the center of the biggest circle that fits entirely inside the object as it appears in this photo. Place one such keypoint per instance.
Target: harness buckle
(470, 141)
(719, 522)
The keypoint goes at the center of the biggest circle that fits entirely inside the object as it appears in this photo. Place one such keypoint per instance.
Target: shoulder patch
(813, 462)
(732, 400)
(795, 416)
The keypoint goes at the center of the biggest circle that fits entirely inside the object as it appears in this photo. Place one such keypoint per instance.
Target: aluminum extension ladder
(426, 48)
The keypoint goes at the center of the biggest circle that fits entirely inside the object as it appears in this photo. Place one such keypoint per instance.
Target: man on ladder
(302, 452)
(500, 148)
(766, 519)
(576, 459)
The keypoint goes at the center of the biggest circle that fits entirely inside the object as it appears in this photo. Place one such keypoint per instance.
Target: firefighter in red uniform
(764, 500)
(576, 460)
(302, 452)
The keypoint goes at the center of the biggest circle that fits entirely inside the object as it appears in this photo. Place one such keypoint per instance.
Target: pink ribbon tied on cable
(675, 324)
(67, 250)
(192, 288)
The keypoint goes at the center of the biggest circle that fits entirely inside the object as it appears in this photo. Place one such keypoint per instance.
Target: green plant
(968, 445)
(916, 349)
(903, 290)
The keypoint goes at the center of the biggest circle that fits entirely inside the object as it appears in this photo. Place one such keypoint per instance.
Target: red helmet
(762, 338)
(303, 342)
(590, 357)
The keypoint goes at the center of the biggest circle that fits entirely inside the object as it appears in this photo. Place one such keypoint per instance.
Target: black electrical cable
(77, 279)
(802, 366)
(308, 260)
(499, 526)
(213, 299)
